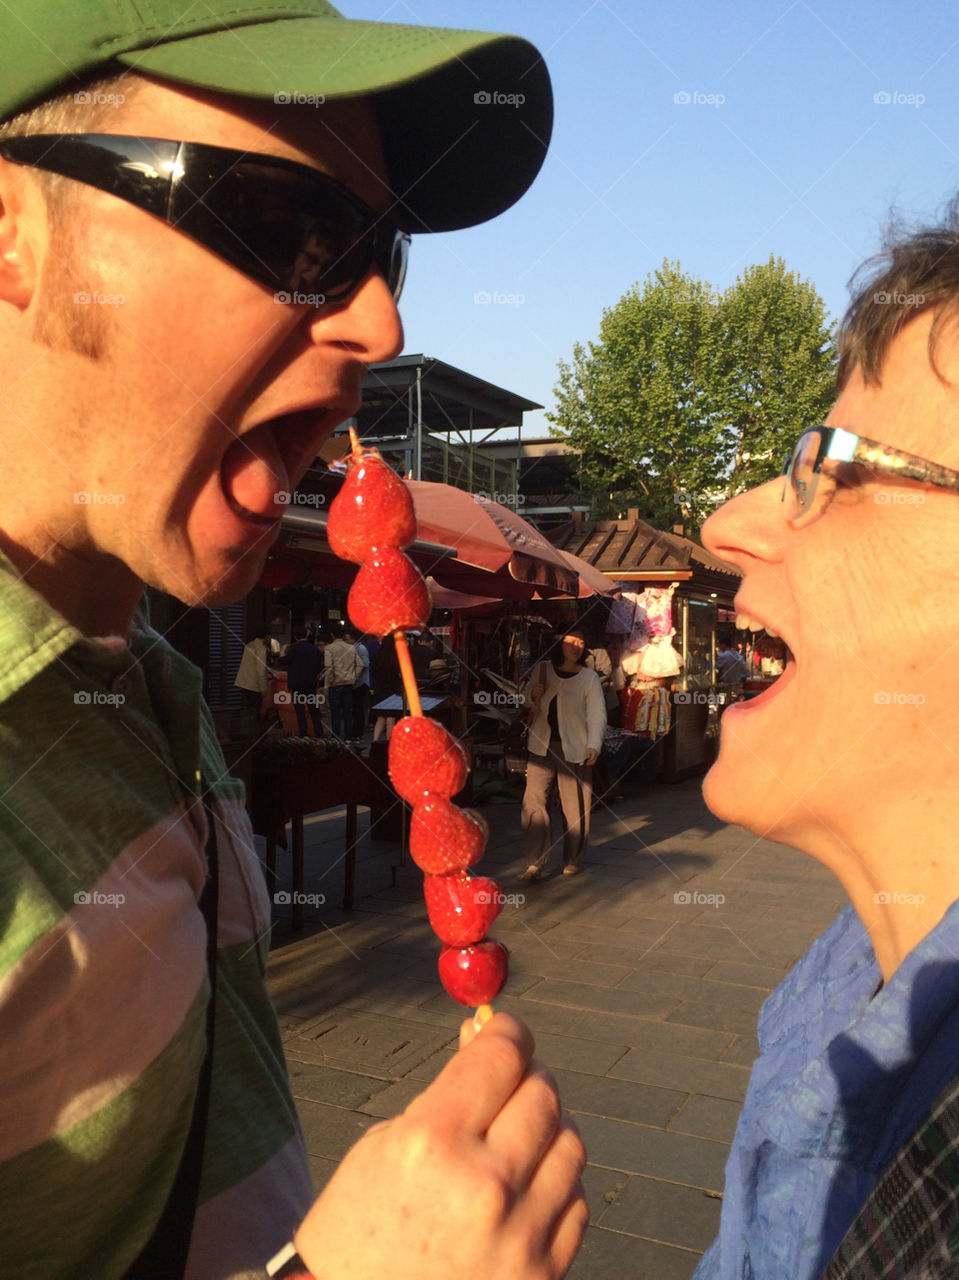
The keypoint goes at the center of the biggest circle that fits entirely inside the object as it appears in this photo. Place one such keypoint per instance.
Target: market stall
(663, 631)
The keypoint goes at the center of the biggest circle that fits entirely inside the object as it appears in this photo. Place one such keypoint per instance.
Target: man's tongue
(254, 474)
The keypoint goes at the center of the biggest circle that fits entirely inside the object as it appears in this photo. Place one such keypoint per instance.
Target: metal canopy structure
(424, 415)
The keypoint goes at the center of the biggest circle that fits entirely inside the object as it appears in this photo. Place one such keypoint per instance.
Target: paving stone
(746, 974)
(743, 1051)
(542, 1019)
(429, 1069)
(702, 990)
(652, 1036)
(601, 1187)
(326, 1084)
(637, 1003)
(704, 1117)
(636, 1148)
(642, 934)
(393, 1100)
(665, 1212)
(618, 1099)
(608, 1255)
(379, 1045)
(819, 913)
(692, 1013)
(331, 1131)
(321, 1171)
(572, 1054)
(715, 1079)
(691, 966)
(543, 965)
(716, 942)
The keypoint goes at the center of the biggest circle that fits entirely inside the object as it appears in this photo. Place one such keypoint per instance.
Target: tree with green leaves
(690, 396)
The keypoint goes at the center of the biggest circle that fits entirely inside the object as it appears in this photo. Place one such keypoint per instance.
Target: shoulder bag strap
(165, 1253)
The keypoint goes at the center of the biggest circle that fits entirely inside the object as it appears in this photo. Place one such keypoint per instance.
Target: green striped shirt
(103, 984)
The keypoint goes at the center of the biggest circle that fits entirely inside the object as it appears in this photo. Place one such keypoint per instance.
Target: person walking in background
(343, 666)
(361, 690)
(253, 678)
(565, 739)
(304, 663)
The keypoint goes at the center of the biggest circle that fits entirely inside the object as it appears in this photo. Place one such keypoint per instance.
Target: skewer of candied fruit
(371, 520)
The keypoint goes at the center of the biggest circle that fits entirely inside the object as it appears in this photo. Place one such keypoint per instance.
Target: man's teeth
(745, 623)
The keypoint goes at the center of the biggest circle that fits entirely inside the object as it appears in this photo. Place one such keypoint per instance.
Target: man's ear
(20, 205)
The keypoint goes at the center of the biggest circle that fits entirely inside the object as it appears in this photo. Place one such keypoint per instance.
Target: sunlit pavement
(641, 979)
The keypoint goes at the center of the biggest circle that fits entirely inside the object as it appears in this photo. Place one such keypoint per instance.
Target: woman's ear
(20, 206)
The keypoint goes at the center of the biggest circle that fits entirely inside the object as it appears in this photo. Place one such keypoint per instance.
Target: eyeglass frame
(836, 444)
(130, 170)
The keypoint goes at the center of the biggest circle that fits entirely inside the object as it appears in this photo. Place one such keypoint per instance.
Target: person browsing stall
(565, 738)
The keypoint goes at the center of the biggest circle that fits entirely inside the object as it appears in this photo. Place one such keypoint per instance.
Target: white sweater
(580, 713)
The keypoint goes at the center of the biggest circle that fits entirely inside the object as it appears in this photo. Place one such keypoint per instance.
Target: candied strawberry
(373, 509)
(461, 907)
(388, 593)
(474, 975)
(424, 757)
(444, 838)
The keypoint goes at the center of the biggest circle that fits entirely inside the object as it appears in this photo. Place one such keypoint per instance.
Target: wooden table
(287, 794)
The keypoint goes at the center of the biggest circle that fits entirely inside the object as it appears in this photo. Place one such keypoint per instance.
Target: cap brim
(466, 116)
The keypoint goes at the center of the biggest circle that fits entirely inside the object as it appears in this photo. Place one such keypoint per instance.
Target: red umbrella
(489, 536)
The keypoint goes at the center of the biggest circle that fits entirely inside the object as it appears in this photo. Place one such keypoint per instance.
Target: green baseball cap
(465, 116)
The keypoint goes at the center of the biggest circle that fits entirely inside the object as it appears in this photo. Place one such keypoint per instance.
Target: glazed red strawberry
(425, 757)
(461, 907)
(373, 509)
(388, 593)
(474, 975)
(444, 838)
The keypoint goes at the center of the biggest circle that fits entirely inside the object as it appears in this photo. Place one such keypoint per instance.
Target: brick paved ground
(643, 1003)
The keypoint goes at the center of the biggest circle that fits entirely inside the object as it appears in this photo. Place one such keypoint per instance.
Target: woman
(565, 739)
(849, 1135)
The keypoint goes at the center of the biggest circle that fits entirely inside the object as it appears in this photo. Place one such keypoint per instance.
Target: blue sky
(799, 159)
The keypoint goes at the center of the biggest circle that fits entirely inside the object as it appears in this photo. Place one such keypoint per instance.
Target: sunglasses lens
(399, 256)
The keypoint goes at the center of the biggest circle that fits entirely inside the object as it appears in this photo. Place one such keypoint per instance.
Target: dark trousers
(574, 784)
(361, 708)
(307, 700)
(341, 710)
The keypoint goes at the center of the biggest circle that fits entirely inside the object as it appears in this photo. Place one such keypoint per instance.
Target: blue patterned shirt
(845, 1073)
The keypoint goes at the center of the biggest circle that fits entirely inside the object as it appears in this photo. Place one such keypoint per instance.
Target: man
(304, 662)
(730, 665)
(850, 1125)
(180, 328)
(343, 666)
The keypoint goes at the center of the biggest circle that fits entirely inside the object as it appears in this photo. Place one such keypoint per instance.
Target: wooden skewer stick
(406, 671)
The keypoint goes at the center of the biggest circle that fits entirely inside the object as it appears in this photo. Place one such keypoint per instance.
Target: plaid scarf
(908, 1229)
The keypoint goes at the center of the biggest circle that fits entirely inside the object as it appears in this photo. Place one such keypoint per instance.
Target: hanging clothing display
(646, 709)
(645, 618)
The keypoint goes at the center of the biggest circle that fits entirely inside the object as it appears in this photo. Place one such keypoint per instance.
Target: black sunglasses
(281, 223)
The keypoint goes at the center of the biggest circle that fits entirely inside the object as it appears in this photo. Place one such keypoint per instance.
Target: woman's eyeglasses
(808, 484)
(281, 223)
